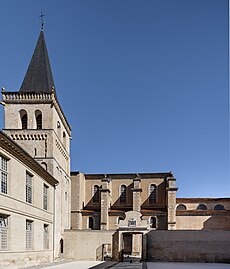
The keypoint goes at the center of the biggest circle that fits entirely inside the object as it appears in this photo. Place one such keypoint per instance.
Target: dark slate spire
(39, 77)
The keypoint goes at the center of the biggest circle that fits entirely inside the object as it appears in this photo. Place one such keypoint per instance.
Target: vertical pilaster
(171, 202)
(137, 193)
(105, 203)
(136, 207)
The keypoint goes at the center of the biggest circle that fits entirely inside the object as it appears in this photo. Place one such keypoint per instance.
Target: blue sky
(144, 84)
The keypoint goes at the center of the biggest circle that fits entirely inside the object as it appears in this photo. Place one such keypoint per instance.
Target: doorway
(132, 246)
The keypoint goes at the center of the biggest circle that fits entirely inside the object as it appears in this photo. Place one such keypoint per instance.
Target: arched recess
(44, 165)
(38, 118)
(61, 246)
(181, 207)
(219, 207)
(91, 223)
(201, 207)
(24, 119)
(153, 222)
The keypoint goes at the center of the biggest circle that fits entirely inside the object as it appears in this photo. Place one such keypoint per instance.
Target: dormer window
(58, 125)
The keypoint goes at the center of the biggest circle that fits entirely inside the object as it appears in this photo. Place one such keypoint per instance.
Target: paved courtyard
(127, 265)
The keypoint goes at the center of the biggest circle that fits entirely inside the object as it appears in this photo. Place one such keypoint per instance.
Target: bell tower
(35, 120)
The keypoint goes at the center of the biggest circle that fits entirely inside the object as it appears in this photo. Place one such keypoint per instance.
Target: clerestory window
(152, 193)
(123, 194)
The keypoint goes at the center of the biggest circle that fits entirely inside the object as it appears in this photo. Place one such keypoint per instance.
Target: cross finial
(42, 21)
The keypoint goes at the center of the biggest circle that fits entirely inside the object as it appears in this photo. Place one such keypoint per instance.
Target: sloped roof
(39, 76)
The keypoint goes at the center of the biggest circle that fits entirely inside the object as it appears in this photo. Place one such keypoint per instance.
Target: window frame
(29, 188)
(29, 234)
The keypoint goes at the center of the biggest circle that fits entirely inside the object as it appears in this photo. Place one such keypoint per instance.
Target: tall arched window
(152, 193)
(181, 207)
(24, 119)
(91, 223)
(38, 116)
(123, 194)
(96, 194)
(201, 207)
(153, 222)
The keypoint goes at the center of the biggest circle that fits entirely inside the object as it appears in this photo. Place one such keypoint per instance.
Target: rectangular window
(29, 234)
(46, 236)
(29, 188)
(3, 174)
(3, 232)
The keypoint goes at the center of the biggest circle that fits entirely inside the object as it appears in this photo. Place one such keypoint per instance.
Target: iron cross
(42, 21)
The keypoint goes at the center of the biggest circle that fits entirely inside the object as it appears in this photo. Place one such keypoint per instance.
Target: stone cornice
(13, 148)
(127, 176)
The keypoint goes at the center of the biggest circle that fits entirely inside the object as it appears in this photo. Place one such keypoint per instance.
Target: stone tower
(35, 120)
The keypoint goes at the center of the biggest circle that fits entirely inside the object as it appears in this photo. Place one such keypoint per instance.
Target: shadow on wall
(217, 223)
(160, 198)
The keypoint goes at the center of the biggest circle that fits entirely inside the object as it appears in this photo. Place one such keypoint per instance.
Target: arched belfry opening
(38, 117)
(24, 119)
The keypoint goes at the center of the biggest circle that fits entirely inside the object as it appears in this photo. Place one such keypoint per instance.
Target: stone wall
(82, 244)
(189, 246)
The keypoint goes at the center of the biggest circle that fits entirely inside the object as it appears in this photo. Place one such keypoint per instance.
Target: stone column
(105, 203)
(171, 202)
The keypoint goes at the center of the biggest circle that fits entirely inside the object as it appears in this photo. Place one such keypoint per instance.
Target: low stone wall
(82, 244)
(189, 246)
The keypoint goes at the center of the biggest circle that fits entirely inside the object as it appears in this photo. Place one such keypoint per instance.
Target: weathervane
(42, 21)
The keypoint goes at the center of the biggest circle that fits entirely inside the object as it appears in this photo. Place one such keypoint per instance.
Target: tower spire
(39, 76)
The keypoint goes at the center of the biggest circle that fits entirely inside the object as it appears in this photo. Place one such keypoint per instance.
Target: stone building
(47, 215)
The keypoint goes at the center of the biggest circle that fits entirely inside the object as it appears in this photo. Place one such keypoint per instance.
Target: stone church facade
(48, 213)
